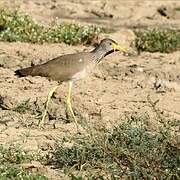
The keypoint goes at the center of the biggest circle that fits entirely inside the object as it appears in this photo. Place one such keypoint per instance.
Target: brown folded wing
(62, 68)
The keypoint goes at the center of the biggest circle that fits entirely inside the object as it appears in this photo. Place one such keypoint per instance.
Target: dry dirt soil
(121, 86)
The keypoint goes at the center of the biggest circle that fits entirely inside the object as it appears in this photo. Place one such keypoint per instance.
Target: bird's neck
(98, 54)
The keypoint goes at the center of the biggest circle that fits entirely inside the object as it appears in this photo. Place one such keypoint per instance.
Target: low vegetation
(131, 151)
(15, 26)
(158, 40)
(177, 8)
(22, 107)
(10, 165)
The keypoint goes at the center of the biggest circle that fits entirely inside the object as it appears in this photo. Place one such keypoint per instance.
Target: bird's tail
(24, 72)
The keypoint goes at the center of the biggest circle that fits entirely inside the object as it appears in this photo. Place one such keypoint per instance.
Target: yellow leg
(69, 103)
(41, 122)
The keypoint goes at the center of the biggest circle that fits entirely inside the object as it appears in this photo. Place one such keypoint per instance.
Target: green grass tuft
(10, 160)
(177, 9)
(8, 172)
(13, 155)
(131, 151)
(22, 107)
(15, 26)
(158, 40)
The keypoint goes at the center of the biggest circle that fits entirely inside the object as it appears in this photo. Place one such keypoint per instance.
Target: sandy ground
(121, 86)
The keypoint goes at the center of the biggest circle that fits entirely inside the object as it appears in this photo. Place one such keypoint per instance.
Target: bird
(70, 68)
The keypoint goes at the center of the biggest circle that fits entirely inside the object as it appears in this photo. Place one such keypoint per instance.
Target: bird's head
(109, 46)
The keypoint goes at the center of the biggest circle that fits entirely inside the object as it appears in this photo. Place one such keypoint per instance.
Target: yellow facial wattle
(119, 48)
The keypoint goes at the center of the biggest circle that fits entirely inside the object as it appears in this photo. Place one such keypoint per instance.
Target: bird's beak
(117, 47)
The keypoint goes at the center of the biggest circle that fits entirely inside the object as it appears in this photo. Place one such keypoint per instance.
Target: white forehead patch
(80, 60)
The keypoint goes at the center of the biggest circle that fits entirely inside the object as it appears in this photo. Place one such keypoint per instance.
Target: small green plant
(8, 172)
(15, 26)
(158, 40)
(10, 160)
(91, 177)
(131, 151)
(177, 8)
(22, 107)
(14, 155)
